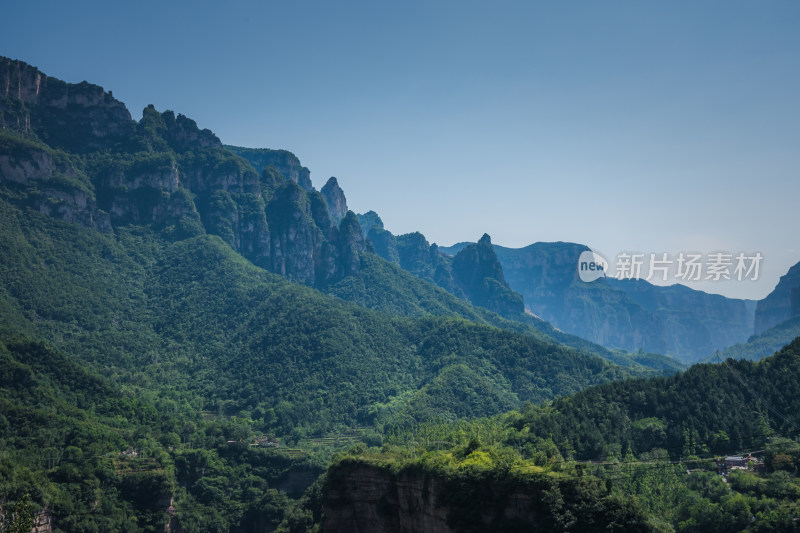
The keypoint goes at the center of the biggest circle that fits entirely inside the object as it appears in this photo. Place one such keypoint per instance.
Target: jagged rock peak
(478, 272)
(181, 132)
(334, 197)
(478, 261)
(369, 220)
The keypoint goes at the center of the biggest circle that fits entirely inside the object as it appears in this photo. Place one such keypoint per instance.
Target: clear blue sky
(647, 126)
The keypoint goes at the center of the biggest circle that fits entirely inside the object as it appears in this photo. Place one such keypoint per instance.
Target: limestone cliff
(474, 275)
(369, 220)
(335, 199)
(78, 117)
(48, 181)
(370, 498)
(479, 274)
(73, 152)
(384, 243)
(285, 162)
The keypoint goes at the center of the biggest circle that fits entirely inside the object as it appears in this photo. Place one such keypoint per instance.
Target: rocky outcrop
(369, 220)
(285, 162)
(296, 241)
(384, 244)
(29, 164)
(240, 219)
(78, 117)
(479, 274)
(42, 522)
(415, 255)
(475, 275)
(367, 498)
(42, 519)
(350, 244)
(55, 187)
(63, 201)
(182, 133)
(777, 306)
(305, 245)
(364, 498)
(334, 197)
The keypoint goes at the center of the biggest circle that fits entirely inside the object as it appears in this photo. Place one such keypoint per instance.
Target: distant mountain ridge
(628, 314)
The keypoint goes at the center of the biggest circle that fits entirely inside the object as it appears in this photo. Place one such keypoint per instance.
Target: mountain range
(189, 330)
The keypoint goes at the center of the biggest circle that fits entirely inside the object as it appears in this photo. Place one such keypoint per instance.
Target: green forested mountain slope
(194, 318)
(92, 456)
(384, 286)
(710, 408)
(148, 331)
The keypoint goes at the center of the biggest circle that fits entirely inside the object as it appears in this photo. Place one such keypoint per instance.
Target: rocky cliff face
(365, 498)
(474, 274)
(53, 184)
(694, 322)
(369, 220)
(384, 244)
(368, 499)
(334, 197)
(82, 159)
(284, 162)
(777, 306)
(479, 274)
(415, 255)
(42, 519)
(77, 117)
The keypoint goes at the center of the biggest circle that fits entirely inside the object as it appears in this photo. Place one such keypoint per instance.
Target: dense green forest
(195, 321)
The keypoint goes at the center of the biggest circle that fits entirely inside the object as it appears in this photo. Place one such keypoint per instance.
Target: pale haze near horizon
(623, 126)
